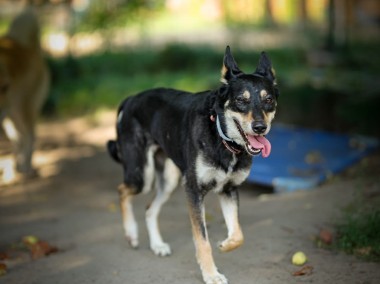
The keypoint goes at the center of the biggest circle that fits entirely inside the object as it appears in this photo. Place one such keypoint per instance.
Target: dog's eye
(269, 100)
(240, 100)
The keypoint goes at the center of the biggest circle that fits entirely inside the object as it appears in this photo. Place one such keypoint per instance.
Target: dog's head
(246, 104)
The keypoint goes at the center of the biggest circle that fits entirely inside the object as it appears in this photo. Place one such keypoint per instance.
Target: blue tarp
(303, 158)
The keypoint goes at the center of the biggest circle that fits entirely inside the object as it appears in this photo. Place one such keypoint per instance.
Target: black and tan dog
(207, 138)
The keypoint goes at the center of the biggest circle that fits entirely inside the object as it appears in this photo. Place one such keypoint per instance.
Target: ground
(74, 206)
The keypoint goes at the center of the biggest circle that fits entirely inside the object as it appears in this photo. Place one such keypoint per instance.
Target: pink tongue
(260, 142)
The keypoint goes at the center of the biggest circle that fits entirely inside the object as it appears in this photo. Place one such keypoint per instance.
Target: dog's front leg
(203, 249)
(229, 201)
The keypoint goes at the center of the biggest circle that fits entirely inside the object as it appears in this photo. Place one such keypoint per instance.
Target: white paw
(133, 242)
(131, 233)
(216, 279)
(230, 244)
(161, 249)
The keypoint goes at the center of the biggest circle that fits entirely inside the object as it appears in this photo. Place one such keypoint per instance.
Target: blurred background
(325, 52)
(326, 56)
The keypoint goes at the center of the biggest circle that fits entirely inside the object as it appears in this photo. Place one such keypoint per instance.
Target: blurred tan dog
(24, 84)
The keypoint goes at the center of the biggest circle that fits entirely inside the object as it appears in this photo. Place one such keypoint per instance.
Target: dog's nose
(259, 127)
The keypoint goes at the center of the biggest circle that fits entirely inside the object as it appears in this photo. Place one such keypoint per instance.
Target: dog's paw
(9, 176)
(161, 249)
(230, 244)
(215, 279)
(133, 242)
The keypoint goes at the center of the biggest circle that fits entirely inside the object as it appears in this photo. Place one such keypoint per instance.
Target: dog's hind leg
(229, 201)
(129, 222)
(138, 177)
(165, 185)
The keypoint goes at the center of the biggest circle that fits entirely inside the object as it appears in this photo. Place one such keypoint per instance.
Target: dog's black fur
(183, 126)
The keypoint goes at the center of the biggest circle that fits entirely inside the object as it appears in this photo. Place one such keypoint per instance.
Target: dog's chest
(215, 178)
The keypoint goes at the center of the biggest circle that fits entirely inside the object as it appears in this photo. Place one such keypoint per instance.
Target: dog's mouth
(254, 144)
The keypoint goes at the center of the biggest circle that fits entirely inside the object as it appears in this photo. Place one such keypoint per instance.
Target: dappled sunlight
(48, 162)
(95, 129)
(82, 44)
(60, 44)
(62, 141)
(83, 27)
(57, 44)
(182, 21)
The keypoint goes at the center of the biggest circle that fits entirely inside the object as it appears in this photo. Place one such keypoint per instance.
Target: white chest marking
(207, 173)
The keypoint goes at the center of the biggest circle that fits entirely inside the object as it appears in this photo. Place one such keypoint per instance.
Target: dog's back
(23, 71)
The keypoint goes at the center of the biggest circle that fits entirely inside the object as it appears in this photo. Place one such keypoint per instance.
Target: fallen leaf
(3, 269)
(41, 249)
(4, 256)
(306, 270)
(326, 236)
(364, 251)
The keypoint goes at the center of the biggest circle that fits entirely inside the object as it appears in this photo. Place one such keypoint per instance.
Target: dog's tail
(113, 150)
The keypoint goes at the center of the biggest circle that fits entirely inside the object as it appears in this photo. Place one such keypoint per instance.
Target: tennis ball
(30, 240)
(299, 258)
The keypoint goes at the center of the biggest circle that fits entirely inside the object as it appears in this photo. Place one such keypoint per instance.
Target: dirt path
(75, 207)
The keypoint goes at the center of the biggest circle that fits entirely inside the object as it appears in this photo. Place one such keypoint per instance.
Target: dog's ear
(230, 68)
(265, 69)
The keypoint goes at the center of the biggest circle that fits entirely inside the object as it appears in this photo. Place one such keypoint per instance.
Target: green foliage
(103, 80)
(106, 15)
(359, 234)
(83, 84)
(347, 100)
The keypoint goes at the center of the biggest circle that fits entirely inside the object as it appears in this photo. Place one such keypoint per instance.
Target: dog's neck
(227, 142)
(220, 131)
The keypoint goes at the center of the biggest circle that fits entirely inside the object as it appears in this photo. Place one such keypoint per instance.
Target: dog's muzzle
(255, 144)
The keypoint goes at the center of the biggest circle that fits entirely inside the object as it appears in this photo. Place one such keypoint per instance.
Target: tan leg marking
(129, 221)
(235, 235)
(203, 249)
